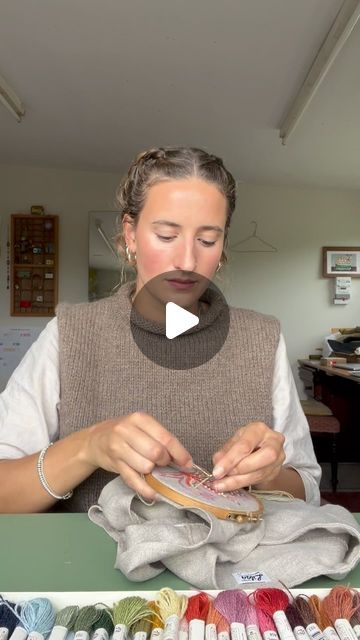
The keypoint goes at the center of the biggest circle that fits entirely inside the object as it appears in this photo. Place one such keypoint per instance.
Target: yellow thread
(170, 603)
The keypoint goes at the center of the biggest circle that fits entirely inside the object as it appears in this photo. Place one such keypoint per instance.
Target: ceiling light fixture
(340, 31)
(10, 100)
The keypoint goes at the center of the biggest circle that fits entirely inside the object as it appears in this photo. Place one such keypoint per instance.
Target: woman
(86, 386)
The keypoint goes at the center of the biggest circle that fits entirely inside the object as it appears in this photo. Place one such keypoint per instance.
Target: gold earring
(131, 257)
(219, 266)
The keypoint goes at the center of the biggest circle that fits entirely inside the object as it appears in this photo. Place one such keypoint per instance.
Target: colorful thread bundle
(8, 618)
(263, 614)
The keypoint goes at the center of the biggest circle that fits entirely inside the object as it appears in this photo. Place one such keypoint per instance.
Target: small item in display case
(37, 210)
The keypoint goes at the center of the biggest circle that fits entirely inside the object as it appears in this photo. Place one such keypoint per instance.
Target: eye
(207, 243)
(165, 238)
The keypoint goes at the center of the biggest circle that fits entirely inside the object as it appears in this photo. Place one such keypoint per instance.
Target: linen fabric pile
(295, 541)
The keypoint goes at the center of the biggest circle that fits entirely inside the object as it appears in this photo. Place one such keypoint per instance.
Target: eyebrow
(204, 227)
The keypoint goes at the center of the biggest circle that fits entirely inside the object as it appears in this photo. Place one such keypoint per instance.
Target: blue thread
(37, 614)
(8, 618)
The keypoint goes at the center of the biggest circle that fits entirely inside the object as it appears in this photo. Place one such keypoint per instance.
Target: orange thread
(321, 616)
(339, 603)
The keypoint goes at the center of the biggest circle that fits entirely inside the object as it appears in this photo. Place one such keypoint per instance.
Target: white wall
(287, 284)
(71, 194)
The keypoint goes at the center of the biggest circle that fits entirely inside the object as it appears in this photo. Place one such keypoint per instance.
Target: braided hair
(171, 163)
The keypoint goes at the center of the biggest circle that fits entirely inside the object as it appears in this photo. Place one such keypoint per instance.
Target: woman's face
(180, 228)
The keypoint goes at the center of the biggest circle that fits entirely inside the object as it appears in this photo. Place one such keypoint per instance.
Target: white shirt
(29, 409)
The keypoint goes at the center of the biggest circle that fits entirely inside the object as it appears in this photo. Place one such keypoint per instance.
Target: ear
(129, 232)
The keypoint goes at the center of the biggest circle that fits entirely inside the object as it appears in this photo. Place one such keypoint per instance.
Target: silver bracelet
(40, 470)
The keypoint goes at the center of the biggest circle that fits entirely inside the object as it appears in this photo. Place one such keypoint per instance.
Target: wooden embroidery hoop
(192, 488)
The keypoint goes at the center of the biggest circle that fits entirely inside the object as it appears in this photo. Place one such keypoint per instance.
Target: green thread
(129, 610)
(105, 622)
(143, 625)
(66, 617)
(86, 618)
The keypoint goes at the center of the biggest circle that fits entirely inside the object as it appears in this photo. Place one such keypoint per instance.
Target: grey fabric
(103, 374)
(294, 542)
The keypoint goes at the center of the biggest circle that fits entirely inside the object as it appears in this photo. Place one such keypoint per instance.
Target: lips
(181, 283)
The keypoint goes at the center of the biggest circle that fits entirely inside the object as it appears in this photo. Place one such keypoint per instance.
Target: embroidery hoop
(192, 488)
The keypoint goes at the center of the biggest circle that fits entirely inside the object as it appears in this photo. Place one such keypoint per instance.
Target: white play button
(178, 320)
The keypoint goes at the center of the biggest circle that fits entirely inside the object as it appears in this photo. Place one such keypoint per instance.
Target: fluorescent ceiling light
(10, 100)
(340, 31)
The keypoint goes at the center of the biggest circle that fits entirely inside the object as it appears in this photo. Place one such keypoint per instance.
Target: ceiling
(103, 79)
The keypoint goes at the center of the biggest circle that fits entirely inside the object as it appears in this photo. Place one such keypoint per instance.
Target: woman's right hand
(132, 445)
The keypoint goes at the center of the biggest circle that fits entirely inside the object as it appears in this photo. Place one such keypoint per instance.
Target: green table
(67, 552)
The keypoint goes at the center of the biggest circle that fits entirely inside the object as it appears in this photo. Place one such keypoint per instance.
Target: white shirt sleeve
(29, 404)
(290, 420)
(29, 409)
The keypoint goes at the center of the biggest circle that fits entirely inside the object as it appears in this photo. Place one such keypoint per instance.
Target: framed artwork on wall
(341, 261)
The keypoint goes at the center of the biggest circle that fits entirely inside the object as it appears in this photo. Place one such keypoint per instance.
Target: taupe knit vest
(103, 374)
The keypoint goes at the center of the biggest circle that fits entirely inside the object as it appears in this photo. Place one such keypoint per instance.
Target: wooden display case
(34, 264)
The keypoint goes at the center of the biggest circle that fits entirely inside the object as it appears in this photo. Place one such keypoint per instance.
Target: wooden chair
(322, 422)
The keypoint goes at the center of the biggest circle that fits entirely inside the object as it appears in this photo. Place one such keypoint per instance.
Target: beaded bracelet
(40, 470)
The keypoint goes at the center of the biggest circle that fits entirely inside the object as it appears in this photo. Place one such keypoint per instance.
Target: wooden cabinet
(34, 264)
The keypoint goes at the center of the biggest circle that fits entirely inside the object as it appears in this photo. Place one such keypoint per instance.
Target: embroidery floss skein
(338, 605)
(157, 624)
(19, 632)
(64, 622)
(322, 619)
(232, 604)
(172, 608)
(126, 612)
(141, 629)
(296, 622)
(214, 621)
(183, 629)
(37, 616)
(274, 602)
(252, 623)
(196, 612)
(355, 622)
(355, 618)
(85, 620)
(104, 626)
(8, 618)
(267, 626)
(307, 613)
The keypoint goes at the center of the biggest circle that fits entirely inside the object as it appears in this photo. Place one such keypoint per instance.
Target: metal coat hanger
(105, 238)
(260, 242)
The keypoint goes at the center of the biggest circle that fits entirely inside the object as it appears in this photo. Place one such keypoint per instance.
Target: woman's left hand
(253, 456)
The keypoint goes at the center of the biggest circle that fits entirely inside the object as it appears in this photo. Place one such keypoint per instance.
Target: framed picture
(341, 261)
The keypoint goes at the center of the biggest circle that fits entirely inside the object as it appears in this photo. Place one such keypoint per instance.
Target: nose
(185, 258)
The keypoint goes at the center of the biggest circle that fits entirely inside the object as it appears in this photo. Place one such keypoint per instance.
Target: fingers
(254, 454)
(136, 482)
(170, 444)
(137, 440)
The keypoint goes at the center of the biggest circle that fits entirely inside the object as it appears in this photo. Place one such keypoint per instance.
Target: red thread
(198, 607)
(265, 621)
(271, 600)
